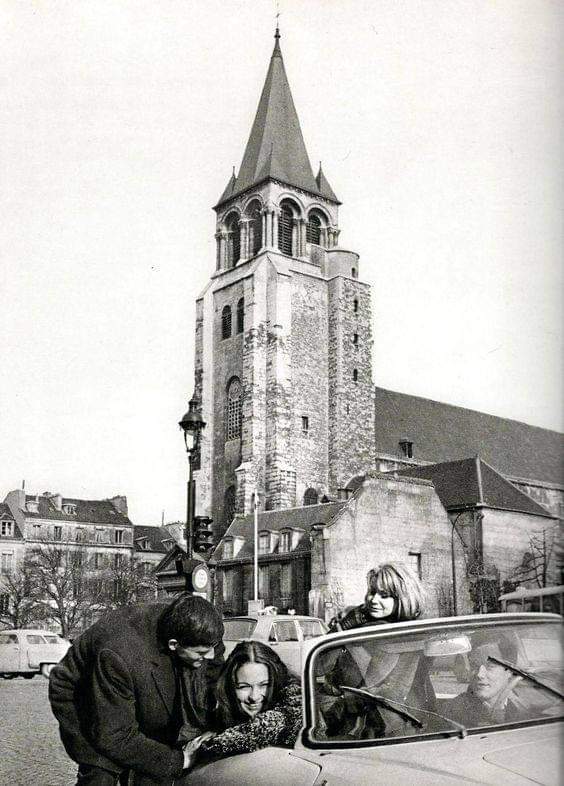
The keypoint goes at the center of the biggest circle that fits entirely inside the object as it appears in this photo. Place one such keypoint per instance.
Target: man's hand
(192, 747)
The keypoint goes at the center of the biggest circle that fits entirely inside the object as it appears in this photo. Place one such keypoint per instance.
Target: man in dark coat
(129, 683)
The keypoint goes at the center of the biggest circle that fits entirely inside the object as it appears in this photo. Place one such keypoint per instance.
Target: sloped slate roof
(472, 482)
(442, 432)
(276, 147)
(87, 510)
(154, 535)
(324, 187)
(6, 514)
(274, 520)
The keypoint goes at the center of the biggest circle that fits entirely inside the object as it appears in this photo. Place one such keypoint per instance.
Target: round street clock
(200, 578)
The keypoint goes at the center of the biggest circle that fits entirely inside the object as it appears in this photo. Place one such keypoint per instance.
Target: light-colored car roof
(36, 631)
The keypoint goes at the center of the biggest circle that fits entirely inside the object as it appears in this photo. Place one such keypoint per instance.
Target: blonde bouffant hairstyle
(400, 583)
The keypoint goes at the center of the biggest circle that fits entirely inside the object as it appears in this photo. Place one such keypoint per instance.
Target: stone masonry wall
(351, 403)
(309, 384)
(386, 519)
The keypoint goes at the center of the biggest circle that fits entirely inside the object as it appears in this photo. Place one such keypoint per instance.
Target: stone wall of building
(351, 401)
(388, 519)
(552, 497)
(309, 384)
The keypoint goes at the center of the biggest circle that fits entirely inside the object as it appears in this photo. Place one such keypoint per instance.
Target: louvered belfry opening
(313, 229)
(285, 225)
(233, 241)
(255, 228)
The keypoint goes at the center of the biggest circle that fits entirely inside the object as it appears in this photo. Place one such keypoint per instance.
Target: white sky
(439, 124)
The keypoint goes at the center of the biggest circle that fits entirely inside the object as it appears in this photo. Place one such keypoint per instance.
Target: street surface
(31, 753)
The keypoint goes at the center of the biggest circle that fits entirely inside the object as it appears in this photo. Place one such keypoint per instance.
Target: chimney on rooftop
(120, 504)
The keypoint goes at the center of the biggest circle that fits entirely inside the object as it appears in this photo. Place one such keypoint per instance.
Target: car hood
(506, 758)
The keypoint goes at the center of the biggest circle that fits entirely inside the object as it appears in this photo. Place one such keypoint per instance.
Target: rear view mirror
(454, 645)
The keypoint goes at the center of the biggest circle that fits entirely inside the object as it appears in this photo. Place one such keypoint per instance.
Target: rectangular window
(355, 339)
(118, 536)
(227, 549)
(7, 528)
(99, 536)
(305, 425)
(80, 535)
(6, 563)
(57, 533)
(5, 605)
(263, 578)
(228, 585)
(285, 541)
(98, 560)
(264, 543)
(286, 580)
(36, 530)
(118, 560)
(414, 562)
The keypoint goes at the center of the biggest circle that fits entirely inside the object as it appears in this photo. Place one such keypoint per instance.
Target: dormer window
(143, 543)
(69, 509)
(228, 549)
(7, 529)
(285, 541)
(168, 543)
(406, 448)
(264, 543)
(32, 506)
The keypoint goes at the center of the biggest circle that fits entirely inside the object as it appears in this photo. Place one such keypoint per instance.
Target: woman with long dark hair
(258, 703)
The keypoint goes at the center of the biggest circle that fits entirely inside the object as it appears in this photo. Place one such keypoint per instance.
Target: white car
(26, 652)
(285, 633)
(382, 705)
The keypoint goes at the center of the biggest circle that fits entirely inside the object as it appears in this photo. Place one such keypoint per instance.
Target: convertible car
(476, 700)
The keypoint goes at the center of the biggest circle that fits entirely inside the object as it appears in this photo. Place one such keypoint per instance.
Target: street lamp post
(192, 425)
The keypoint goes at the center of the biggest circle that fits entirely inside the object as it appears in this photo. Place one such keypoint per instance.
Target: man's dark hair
(192, 621)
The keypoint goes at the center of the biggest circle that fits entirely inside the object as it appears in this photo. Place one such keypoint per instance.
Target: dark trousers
(95, 776)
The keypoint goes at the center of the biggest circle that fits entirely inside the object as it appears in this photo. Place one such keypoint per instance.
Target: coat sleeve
(264, 730)
(115, 731)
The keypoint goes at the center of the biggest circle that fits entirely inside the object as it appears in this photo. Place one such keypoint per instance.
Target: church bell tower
(283, 331)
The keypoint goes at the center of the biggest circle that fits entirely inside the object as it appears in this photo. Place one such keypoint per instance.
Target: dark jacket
(116, 696)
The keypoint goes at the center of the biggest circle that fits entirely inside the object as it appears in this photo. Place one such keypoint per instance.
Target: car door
(9, 653)
(284, 638)
(35, 645)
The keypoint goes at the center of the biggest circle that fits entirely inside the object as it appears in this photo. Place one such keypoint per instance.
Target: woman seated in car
(258, 704)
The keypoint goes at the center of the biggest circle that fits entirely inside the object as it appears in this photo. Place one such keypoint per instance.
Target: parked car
(27, 651)
(395, 704)
(285, 633)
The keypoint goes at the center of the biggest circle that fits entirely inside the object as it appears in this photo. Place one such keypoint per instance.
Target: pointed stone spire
(324, 187)
(276, 147)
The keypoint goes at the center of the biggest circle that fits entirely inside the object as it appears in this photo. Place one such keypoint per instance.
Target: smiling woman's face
(378, 604)
(251, 687)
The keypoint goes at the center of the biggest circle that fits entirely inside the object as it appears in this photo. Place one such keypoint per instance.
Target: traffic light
(203, 534)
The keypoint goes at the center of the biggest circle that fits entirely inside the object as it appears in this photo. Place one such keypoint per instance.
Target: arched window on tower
(255, 228)
(285, 227)
(228, 506)
(226, 322)
(313, 229)
(234, 410)
(233, 241)
(311, 497)
(241, 315)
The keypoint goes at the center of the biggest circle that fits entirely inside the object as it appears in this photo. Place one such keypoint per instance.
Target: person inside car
(489, 697)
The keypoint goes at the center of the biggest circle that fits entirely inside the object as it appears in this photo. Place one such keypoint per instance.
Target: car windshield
(441, 681)
(235, 629)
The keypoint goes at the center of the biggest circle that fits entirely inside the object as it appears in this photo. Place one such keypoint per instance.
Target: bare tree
(535, 567)
(126, 582)
(19, 606)
(64, 586)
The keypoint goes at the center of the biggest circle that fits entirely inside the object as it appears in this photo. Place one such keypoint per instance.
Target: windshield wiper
(389, 703)
(384, 703)
(526, 675)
